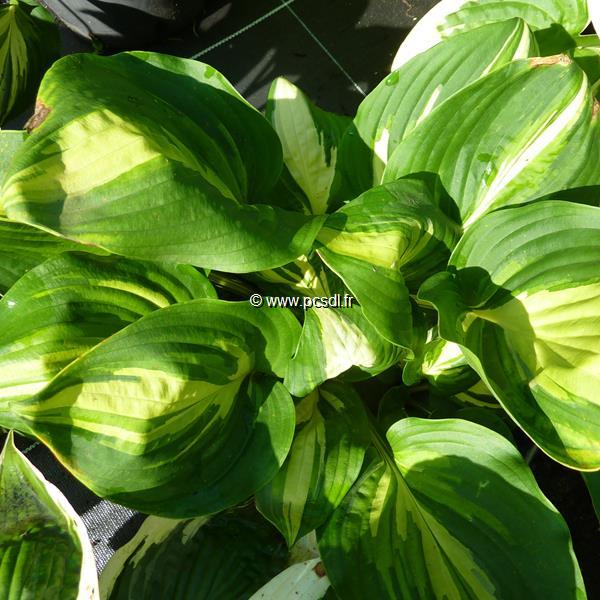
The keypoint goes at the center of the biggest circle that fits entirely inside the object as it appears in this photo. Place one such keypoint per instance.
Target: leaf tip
(557, 59)
(40, 114)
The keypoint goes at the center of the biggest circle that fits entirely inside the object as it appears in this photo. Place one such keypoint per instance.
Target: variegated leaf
(306, 580)
(389, 238)
(334, 340)
(587, 56)
(478, 395)
(305, 548)
(449, 17)
(443, 365)
(23, 247)
(228, 556)
(10, 141)
(332, 435)
(180, 413)
(522, 298)
(492, 146)
(450, 510)
(310, 138)
(304, 276)
(70, 303)
(404, 98)
(287, 194)
(29, 42)
(154, 157)
(44, 548)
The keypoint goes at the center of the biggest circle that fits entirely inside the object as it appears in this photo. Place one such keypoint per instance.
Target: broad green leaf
(29, 42)
(522, 298)
(287, 194)
(492, 146)
(179, 414)
(478, 395)
(332, 435)
(10, 141)
(444, 366)
(302, 581)
(450, 510)
(450, 17)
(23, 247)
(44, 548)
(154, 157)
(70, 303)
(404, 98)
(334, 340)
(592, 480)
(585, 188)
(304, 276)
(389, 238)
(310, 138)
(587, 56)
(229, 556)
(305, 548)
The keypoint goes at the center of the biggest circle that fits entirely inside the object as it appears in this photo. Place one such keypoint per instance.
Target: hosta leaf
(522, 298)
(451, 512)
(450, 17)
(478, 395)
(154, 157)
(10, 141)
(70, 303)
(492, 147)
(389, 238)
(205, 124)
(29, 42)
(304, 276)
(334, 340)
(404, 98)
(587, 56)
(287, 194)
(179, 414)
(302, 581)
(44, 548)
(23, 247)
(444, 366)
(331, 438)
(310, 138)
(229, 556)
(306, 547)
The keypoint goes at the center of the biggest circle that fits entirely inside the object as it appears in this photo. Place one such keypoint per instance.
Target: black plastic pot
(124, 23)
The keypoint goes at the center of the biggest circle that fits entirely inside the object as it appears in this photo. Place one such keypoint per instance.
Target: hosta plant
(172, 264)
